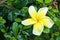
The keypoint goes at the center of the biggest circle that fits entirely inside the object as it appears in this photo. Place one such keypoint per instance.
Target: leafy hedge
(12, 12)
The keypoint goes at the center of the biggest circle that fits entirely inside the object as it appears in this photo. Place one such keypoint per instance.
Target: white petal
(48, 22)
(37, 29)
(42, 11)
(32, 12)
(28, 21)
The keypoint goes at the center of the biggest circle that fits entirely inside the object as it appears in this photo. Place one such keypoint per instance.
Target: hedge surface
(12, 12)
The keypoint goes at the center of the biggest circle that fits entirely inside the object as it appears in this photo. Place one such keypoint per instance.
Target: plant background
(12, 12)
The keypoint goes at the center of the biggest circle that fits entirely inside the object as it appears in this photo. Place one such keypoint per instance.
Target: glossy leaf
(48, 1)
(40, 1)
(17, 19)
(15, 28)
(46, 30)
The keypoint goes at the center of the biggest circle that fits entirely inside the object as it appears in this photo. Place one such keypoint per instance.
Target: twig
(55, 4)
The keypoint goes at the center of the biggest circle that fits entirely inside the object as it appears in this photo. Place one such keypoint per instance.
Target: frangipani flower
(38, 19)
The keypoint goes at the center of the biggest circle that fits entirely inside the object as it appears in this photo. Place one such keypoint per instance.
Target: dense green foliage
(12, 12)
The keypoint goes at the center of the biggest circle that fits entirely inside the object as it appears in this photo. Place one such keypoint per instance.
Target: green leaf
(2, 26)
(57, 21)
(13, 38)
(55, 10)
(7, 35)
(48, 1)
(51, 38)
(50, 7)
(15, 28)
(9, 2)
(2, 20)
(24, 11)
(18, 20)
(46, 30)
(19, 37)
(40, 1)
(37, 38)
(56, 33)
(58, 38)
(31, 1)
(26, 27)
(20, 3)
(11, 16)
(3, 30)
(20, 26)
(26, 33)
